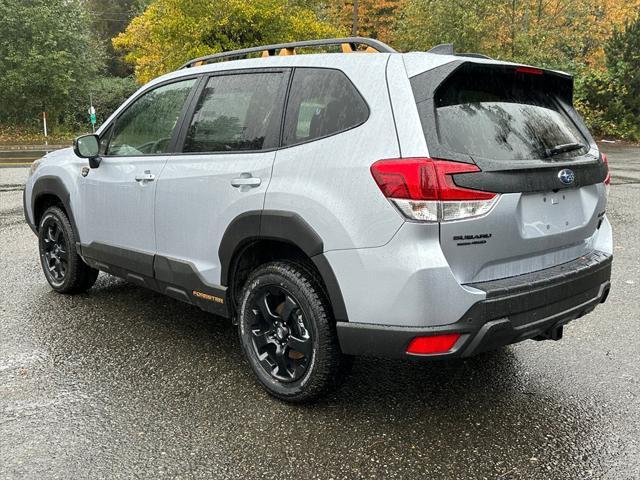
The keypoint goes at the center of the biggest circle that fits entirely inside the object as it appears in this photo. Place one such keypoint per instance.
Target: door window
(237, 112)
(147, 124)
(322, 102)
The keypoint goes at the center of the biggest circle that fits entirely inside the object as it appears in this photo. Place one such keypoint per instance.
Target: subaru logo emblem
(566, 176)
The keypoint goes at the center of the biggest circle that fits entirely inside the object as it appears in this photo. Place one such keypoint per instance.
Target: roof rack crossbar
(270, 50)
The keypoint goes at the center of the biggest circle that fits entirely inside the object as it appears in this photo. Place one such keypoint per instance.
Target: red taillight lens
(433, 344)
(423, 189)
(607, 179)
(410, 178)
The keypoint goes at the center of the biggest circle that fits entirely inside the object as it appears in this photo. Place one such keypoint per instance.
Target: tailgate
(518, 125)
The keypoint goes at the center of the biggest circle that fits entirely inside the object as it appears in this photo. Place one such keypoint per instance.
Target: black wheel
(287, 332)
(65, 271)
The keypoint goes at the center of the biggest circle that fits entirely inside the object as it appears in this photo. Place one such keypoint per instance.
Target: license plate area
(550, 213)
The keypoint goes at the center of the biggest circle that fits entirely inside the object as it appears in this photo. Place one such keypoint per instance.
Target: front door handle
(246, 180)
(147, 176)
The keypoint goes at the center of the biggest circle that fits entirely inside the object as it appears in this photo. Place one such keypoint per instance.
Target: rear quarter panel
(328, 181)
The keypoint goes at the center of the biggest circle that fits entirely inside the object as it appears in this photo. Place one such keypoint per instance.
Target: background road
(125, 383)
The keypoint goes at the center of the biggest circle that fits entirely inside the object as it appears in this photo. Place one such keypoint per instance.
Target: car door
(118, 196)
(223, 170)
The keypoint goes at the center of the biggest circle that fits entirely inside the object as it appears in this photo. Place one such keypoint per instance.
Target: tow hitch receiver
(554, 333)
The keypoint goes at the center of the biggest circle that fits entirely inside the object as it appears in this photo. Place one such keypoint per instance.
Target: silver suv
(420, 205)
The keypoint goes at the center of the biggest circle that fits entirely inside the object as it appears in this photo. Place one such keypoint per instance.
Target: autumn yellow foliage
(557, 33)
(170, 32)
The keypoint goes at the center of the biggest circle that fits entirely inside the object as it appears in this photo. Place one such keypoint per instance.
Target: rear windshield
(503, 114)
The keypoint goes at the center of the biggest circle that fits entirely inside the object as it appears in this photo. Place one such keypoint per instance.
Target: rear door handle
(147, 176)
(246, 180)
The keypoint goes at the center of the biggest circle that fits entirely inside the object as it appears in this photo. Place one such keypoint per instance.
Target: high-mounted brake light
(433, 344)
(423, 189)
(529, 70)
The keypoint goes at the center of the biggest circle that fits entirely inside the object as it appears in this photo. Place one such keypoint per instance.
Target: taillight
(607, 179)
(433, 344)
(423, 189)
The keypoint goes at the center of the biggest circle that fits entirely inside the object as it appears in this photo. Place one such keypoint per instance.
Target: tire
(288, 334)
(63, 268)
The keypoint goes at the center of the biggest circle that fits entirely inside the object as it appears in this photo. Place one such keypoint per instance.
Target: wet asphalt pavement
(125, 383)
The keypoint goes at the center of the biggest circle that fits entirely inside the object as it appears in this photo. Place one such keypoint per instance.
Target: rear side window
(236, 112)
(321, 102)
(503, 114)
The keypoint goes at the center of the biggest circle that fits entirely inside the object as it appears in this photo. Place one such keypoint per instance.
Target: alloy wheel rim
(280, 335)
(54, 251)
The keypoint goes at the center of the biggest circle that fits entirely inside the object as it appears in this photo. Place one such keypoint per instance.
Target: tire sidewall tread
(79, 277)
(323, 372)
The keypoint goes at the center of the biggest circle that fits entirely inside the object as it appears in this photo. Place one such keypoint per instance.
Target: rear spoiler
(560, 82)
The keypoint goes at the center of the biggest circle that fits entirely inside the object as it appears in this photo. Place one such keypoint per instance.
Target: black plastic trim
(540, 179)
(50, 185)
(130, 260)
(270, 225)
(287, 227)
(180, 280)
(332, 286)
(164, 275)
(243, 228)
(26, 213)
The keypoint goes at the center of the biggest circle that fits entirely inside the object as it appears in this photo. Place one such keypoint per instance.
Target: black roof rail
(447, 49)
(348, 44)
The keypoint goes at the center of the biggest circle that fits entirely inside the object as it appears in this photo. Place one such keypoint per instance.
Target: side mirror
(88, 146)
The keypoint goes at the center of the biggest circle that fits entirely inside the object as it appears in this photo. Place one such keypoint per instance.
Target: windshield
(504, 115)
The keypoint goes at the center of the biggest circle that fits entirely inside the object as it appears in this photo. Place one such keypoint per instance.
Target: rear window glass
(501, 114)
(322, 102)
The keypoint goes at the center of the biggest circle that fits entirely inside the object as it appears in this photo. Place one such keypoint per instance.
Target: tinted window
(236, 112)
(321, 102)
(146, 125)
(503, 115)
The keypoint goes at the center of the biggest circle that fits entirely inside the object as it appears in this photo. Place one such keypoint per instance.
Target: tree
(566, 34)
(108, 19)
(171, 32)
(47, 56)
(376, 18)
(468, 24)
(610, 98)
(623, 62)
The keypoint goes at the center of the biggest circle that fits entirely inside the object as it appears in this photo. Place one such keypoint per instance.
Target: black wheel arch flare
(51, 185)
(285, 226)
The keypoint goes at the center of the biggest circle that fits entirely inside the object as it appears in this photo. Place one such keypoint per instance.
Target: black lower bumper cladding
(531, 306)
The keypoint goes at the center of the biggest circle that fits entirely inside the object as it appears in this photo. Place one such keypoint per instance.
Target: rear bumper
(530, 306)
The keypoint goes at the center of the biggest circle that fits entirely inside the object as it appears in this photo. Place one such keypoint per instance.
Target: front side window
(236, 113)
(147, 124)
(322, 102)
(104, 140)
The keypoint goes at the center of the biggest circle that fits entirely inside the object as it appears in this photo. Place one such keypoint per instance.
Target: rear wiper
(564, 148)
